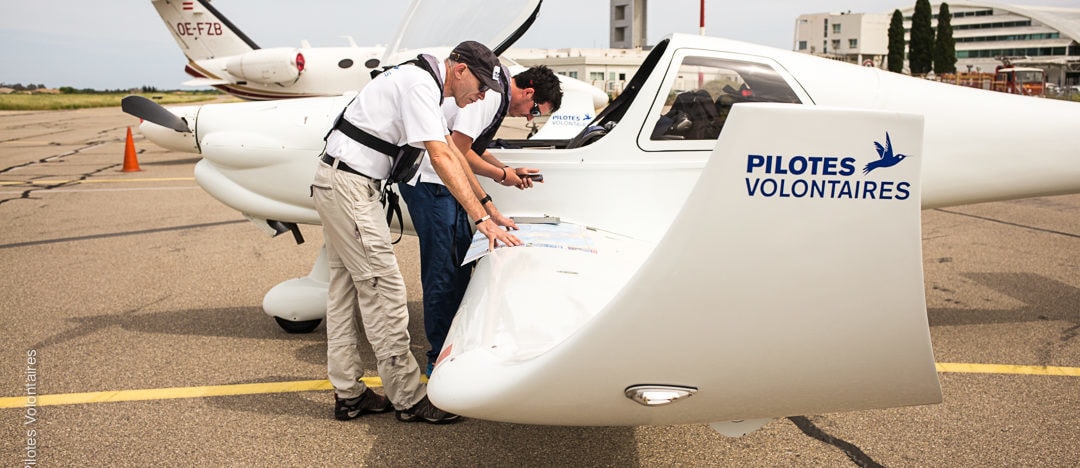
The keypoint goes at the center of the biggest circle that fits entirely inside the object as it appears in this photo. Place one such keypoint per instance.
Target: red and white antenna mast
(702, 17)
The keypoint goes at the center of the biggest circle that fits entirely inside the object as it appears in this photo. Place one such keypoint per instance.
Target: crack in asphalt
(26, 194)
(1070, 333)
(1007, 223)
(88, 145)
(62, 130)
(853, 452)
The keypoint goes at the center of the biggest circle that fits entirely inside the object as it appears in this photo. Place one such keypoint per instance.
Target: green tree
(945, 44)
(922, 39)
(896, 42)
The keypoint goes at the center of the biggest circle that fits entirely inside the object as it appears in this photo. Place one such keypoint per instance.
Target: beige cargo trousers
(366, 288)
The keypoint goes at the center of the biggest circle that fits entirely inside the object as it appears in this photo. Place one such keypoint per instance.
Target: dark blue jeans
(444, 232)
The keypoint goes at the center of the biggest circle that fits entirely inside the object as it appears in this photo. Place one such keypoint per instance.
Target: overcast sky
(116, 44)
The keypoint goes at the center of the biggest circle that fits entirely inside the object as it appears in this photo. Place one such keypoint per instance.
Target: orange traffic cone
(131, 163)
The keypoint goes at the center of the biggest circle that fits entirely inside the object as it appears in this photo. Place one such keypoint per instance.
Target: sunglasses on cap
(535, 111)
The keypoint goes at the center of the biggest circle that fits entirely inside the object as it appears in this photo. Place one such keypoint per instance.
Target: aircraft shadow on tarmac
(232, 322)
(1045, 299)
(486, 443)
(489, 443)
(238, 322)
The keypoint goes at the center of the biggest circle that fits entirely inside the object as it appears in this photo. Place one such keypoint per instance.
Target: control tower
(628, 24)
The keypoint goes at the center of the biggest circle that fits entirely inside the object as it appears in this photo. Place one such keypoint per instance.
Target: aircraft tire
(300, 326)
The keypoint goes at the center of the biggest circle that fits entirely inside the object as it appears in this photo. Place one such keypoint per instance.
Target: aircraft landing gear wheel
(300, 326)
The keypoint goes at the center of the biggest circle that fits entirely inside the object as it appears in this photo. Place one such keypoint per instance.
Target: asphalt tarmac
(142, 287)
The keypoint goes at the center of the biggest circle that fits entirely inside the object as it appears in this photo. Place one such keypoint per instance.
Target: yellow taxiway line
(312, 385)
(176, 392)
(961, 368)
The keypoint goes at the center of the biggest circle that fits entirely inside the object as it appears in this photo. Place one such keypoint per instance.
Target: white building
(986, 33)
(861, 38)
(607, 69)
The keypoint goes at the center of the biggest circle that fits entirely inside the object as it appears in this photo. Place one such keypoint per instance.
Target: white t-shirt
(469, 120)
(401, 106)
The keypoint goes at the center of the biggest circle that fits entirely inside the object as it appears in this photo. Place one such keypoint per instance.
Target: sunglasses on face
(535, 111)
(483, 87)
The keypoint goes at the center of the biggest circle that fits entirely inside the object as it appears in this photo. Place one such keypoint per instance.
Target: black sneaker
(426, 412)
(367, 402)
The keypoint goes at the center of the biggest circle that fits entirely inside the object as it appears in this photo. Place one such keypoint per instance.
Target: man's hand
(522, 175)
(503, 221)
(512, 179)
(498, 218)
(496, 234)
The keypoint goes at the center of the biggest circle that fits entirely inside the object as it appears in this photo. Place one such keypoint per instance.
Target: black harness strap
(408, 157)
(425, 62)
(405, 159)
(364, 138)
(429, 64)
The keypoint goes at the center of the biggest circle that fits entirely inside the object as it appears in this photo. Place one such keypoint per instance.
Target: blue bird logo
(885, 156)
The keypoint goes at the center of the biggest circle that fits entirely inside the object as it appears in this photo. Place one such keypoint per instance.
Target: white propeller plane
(741, 230)
(220, 55)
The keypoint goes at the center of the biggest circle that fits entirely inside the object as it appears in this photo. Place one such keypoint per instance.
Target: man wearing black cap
(482, 63)
(399, 107)
(440, 223)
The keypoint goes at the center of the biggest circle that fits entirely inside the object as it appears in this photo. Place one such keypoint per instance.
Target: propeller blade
(151, 111)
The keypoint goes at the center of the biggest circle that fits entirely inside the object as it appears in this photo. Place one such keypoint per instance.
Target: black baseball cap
(482, 63)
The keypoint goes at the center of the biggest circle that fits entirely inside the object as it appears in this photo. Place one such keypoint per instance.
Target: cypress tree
(945, 44)
(896, 42)
(922, 39)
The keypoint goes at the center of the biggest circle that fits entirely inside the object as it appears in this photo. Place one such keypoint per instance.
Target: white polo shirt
(470, 121)
(401, 106)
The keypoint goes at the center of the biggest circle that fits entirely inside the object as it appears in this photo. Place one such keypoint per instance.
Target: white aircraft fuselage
(981, 146)
(774, 230)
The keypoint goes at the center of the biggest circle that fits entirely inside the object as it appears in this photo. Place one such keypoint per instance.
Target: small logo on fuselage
(886, 158)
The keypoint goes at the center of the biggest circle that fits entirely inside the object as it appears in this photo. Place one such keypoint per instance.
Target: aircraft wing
(758, 302)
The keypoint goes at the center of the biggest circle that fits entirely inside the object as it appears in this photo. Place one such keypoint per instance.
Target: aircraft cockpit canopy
(704, 89)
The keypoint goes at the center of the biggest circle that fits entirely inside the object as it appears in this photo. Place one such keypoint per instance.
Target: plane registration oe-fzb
(751, 227)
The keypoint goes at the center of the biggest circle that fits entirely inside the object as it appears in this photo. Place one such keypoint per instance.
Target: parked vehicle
(1020, 80)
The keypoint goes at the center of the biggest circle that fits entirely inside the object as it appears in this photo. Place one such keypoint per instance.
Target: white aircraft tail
(201, 31)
